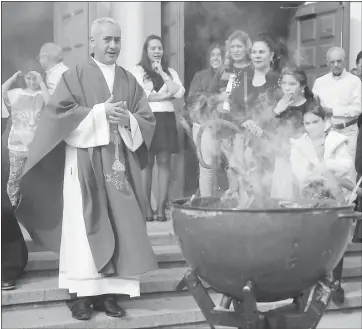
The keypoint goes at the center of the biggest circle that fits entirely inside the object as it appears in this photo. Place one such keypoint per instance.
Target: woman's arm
(162, 96)
(342, 163)
(6, 86)
(174, 87)
(43, 87)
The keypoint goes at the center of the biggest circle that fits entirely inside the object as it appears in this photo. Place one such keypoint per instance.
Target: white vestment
(77, 270)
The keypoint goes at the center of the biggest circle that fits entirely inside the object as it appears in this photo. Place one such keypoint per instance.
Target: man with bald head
(85, 160)
(51, 60)
(340, 94)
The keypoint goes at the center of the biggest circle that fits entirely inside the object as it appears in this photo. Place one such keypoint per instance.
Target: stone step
(160, 234)
(352, 319)
(170, 256)
(155, 312)
(42, 286)
(39, 287)
(46, 260)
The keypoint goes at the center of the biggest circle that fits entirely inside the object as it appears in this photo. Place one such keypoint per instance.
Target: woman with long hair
(229, 81)
(197, 101)
(161, 84)
(202, 79)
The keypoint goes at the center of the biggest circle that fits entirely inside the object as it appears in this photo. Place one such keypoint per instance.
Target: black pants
(14, 253)
(88, 301)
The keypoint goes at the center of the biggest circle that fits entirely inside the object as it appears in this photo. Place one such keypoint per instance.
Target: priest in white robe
(84, 168)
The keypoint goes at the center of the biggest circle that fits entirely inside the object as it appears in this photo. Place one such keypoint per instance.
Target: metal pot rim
(180, 204)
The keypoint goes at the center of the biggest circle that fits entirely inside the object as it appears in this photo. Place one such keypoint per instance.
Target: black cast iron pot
(282, 251)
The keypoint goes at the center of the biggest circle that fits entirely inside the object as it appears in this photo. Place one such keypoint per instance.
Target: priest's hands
(117, 113)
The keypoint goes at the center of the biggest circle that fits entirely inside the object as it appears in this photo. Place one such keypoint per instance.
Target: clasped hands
(117, 113)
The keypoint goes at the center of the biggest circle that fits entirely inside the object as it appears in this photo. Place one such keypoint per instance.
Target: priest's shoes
(81, 311)
(8, 285)
(111, 308)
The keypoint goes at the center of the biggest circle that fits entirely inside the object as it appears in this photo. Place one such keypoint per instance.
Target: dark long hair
(301, 77)
(146, 64)
(213, 46)
(278, 47)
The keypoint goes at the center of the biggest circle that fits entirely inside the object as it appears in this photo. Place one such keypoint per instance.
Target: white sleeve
(92, 131)
(354, 107)
(133, 139)
(176, 79)
(139, 73)
(342, 163)
(4, 111)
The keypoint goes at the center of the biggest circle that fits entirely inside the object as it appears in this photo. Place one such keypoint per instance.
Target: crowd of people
(80, 145)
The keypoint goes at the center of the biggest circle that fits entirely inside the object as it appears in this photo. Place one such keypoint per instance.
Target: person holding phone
(161, 84)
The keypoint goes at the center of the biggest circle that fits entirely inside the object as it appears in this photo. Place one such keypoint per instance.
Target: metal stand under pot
(252, 256)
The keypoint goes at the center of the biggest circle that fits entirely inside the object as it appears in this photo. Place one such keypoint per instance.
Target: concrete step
(154, 312)
(160, 234)
(39, 287)
(350, 319)
(42, 286)
(46, 260)
(171, 256)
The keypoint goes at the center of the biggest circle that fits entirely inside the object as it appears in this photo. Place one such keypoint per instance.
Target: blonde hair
(243, 37)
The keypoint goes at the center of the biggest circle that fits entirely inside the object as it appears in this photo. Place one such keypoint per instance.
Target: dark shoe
(8, 285)
(81, 311)
(338, 296)
(111, 308)
(149, 219)
(161, 218)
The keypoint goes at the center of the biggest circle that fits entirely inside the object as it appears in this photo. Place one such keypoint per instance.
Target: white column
(355, 41)
(137, 21)
(130, 17)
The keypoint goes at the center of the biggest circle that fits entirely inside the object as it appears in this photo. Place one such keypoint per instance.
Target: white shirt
(53, 76)
(342, 94)
(147, 85)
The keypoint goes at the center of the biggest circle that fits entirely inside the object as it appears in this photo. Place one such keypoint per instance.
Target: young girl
(288, 123)
(25, 106)
(317, 154)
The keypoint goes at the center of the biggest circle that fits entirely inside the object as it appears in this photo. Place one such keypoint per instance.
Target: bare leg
(147, 183)
(164, 176)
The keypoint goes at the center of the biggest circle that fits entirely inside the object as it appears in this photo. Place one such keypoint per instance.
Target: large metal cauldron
(282, 251)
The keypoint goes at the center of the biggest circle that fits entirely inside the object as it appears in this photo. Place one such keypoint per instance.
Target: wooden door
(71, 30)
(320, 26)
(172, 30)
